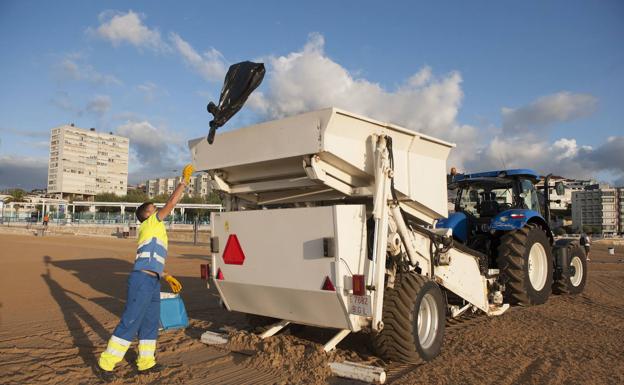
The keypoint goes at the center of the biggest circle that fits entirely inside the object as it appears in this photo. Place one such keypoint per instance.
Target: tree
(136, 196)
(213, 198)
(17, 194)
(107, 197)
(188, 199)
(17, 207)
(162, 198)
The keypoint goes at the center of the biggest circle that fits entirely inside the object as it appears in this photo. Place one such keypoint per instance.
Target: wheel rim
(538, 266)
(578, 271)
(427, 321)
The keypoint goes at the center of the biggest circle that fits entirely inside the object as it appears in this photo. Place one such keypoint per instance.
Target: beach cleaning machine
(330, 221)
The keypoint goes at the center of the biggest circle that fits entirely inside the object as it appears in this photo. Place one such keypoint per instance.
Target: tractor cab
(486, 197)
(494, 201)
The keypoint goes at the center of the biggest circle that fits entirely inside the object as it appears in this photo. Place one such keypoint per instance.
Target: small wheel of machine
(571, 280)
(525, 261)
(414, 316)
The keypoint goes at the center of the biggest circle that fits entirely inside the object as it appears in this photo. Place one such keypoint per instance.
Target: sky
(532, 84)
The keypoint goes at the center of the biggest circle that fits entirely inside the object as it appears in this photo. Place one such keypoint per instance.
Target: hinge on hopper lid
(217, 183)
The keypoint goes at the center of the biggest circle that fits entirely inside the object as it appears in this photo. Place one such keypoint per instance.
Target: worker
(585, 241)
(142, 312)
(46, 219)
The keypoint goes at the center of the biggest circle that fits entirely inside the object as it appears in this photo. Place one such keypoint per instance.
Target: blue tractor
(506, 218)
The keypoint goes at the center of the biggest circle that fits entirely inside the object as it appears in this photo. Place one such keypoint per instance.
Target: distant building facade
(199, 186)
(571, 185)
(84, 163)
(620, 202)
(600, 208)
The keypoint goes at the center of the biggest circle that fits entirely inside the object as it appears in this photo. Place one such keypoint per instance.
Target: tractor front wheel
(526, 265)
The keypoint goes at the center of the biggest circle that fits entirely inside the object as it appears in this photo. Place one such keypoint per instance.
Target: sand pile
(298, 361)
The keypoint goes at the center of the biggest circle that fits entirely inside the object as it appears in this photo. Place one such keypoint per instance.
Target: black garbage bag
(240, 81)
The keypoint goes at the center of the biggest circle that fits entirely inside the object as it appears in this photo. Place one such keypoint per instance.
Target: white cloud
(128, 27)
(155, 151)
(150, 90)
(564, 157)
(62, 101)
(547, 110)
(99, 104)
(530, 148)
(308, 79)
(211, 65)
(75, 67)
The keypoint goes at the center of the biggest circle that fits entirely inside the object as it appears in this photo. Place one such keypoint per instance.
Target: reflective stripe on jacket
(152, 247)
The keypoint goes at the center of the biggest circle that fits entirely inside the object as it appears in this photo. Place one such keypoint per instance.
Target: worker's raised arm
(177, 193)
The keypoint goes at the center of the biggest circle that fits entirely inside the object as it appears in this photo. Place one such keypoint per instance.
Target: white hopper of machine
(321, 156)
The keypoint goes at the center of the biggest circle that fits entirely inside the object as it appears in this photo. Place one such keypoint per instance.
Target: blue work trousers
(142, 313)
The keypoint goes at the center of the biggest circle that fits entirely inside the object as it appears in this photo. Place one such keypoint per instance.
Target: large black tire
(513, 262)
(567, 283)
(399, 339)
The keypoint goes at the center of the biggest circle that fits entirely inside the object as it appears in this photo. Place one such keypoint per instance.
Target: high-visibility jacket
(152, 245)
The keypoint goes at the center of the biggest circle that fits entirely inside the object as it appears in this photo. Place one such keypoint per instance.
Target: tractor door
(529, 196)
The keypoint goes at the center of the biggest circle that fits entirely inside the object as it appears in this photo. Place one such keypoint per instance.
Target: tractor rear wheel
(572, 280)
(526, 265)
(414, 317)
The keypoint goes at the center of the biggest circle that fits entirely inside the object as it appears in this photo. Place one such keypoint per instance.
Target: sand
(61, 297)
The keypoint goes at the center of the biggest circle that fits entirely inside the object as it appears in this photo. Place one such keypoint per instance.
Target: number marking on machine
(360, 305)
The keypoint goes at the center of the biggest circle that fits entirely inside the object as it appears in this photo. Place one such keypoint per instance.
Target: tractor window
(529, 195)
(485, 198)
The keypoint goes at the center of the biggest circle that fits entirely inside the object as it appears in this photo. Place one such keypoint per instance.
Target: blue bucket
(172, 312)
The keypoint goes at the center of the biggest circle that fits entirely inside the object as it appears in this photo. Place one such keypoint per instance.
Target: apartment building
(571, 185)
(599, 208)
(199, 186)
(620, 202)
(84, 163)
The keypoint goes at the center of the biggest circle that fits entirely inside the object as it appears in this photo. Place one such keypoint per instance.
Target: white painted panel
(318, 308)
(284, 258)
(262, 142)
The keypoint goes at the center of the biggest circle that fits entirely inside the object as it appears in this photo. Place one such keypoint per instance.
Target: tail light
(219, 274)
(328, 285)
(359, 285)
(517, 216)
(205, 271)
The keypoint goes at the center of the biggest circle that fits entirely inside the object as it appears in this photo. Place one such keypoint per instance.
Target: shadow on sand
(109, 276)
(73, 313)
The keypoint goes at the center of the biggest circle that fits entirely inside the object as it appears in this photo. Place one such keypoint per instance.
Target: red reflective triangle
(233, 253)
(219, 274)
(328, 284)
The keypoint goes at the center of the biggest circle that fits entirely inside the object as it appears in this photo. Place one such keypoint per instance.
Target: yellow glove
(175, 285)
(187, 172)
